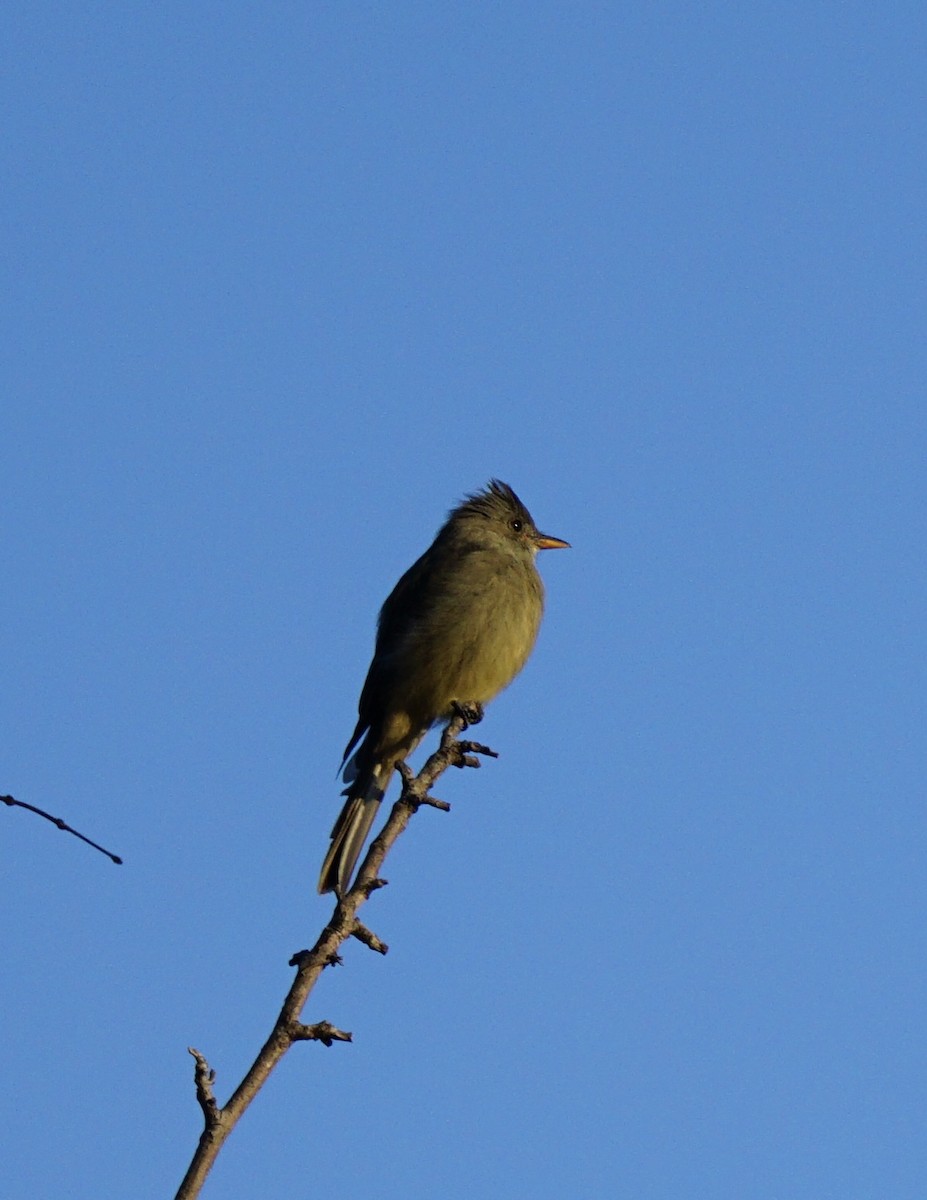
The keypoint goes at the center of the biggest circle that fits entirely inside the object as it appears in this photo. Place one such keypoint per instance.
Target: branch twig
(57, 821)
(288, 1028)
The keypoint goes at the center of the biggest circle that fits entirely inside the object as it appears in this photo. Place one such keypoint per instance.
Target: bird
(455, 630)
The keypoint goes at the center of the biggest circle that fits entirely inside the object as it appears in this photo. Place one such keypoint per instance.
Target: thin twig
(60, 824)
(323, 1031)
(369, 938)
(204, 1077)
(309, 964)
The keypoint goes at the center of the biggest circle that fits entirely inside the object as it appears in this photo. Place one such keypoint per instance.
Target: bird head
(496, 515)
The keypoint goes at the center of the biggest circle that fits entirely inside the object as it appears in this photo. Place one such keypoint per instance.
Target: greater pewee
(455, 630)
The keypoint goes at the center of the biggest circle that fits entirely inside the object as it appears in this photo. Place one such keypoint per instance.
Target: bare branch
(11, 802)
(343, 924)
(363, 934)
(204, 1077)
(322, 1031)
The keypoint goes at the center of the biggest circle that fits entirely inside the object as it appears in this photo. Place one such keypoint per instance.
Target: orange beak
(544, 541)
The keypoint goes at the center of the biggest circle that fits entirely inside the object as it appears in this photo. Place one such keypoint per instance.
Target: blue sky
(281, 284)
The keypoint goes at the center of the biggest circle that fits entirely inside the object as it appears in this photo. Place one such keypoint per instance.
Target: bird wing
(402, 607)
(400, 610)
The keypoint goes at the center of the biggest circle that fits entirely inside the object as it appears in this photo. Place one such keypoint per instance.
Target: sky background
(281, 283)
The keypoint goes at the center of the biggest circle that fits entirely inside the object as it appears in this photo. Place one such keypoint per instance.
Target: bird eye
(517, 524)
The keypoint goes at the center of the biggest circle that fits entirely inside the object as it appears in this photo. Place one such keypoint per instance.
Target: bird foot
(471, 713)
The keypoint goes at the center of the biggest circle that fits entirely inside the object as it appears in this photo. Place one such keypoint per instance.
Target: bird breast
(479, 630)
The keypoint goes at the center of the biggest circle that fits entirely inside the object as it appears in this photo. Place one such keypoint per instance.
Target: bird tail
(350, 833)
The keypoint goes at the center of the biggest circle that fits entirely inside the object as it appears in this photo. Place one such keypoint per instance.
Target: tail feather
(348, 837)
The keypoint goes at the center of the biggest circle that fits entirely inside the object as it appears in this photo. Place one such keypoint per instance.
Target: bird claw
(471, 713)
